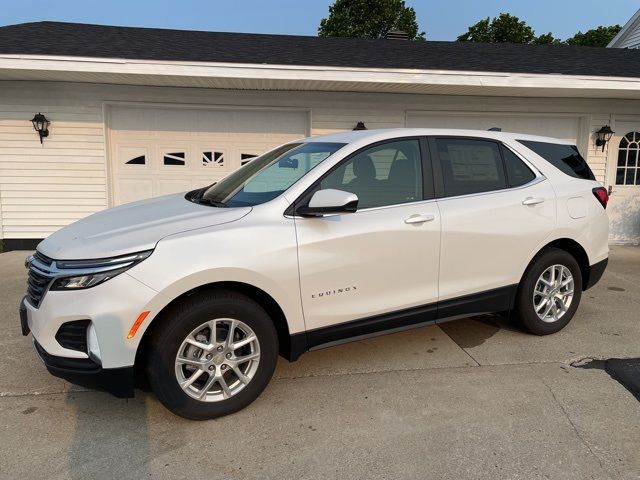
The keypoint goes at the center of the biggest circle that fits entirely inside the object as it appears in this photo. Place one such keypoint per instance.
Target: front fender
(260, 255)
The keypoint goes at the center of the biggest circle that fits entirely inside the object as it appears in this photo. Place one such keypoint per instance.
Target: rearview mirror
(329, 201)
(288, 163)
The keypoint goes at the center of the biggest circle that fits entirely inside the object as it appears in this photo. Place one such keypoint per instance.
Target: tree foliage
(369, 19)
(596, 37)
(509, 28)
(547, 39)
(503, 28)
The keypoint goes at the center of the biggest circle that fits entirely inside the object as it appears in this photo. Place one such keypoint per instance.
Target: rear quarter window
(564, 157)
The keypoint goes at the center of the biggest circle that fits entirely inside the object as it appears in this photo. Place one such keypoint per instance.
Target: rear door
(495, 209)
(380, 259)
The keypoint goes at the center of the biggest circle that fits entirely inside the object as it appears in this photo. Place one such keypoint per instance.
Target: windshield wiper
(197, 196)
(213, 203)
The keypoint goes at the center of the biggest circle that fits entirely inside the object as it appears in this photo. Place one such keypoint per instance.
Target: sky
(441, 19)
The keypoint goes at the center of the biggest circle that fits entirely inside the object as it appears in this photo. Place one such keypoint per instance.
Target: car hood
(133, 227)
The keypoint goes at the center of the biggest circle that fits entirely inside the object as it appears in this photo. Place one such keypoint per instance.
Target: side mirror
(329, 201)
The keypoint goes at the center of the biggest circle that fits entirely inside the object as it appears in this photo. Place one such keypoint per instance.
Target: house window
(628, 160)
(246, 158)
(174, 158)
(213, 158)
(136, 161)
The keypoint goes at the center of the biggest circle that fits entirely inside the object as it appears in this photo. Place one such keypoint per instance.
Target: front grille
(38, 279)
(73, 335)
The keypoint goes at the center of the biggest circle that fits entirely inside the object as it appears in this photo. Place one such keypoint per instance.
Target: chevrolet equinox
(315, 243)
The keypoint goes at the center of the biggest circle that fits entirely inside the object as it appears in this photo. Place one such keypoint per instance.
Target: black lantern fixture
(41, 125)
(604, 135)
(360, 126)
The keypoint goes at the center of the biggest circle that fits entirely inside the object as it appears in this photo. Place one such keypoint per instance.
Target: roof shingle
(71, 39)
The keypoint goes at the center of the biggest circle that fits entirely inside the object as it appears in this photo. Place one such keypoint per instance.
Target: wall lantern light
(41, 125)
(360, 126)
(604, 135)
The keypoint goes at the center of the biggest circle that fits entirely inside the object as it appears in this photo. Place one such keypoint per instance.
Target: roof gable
(629, 34)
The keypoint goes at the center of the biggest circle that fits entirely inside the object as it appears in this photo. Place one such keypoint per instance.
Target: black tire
(178, 322)
(524, 307)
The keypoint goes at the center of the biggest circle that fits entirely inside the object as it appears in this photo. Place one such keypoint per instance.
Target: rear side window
(518, 173)
(470, 166)
(564, 157)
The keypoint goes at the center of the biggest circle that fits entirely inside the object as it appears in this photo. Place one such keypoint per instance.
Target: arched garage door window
(628, 157)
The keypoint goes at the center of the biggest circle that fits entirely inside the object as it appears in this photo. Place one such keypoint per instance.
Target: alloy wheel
(553, 293)
(217, 360)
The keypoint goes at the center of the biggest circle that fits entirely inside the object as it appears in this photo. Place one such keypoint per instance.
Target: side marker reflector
(136, 324)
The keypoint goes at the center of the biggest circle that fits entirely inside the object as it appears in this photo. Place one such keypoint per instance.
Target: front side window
(268, 175)
(564, 157)
(470, 166)
(385, 174)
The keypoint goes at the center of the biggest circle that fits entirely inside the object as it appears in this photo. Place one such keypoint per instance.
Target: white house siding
(596, 157)
(632, 40)
(43, 188)
(629, 37)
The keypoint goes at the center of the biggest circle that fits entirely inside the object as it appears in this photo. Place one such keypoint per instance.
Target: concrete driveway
(472, 399)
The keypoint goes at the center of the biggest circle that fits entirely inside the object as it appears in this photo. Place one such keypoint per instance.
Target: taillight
(602, 196)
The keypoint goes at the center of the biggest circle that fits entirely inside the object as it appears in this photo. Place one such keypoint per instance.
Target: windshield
(268, 175)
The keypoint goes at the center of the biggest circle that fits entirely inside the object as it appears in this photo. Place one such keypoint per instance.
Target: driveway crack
(573, 426)
(477, 363)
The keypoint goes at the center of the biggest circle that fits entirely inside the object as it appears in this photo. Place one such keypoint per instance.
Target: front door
(380, 259)
(623, 180)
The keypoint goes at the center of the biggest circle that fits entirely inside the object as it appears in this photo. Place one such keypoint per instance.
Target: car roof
(370, 136)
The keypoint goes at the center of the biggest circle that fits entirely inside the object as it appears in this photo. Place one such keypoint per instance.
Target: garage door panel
(167, 186)
(133, 157)
(215, 159)
(130, 190)
(174, 157)
(564, 127)
(185, 148)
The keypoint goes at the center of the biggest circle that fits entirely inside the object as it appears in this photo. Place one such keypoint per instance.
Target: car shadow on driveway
(113, 445)
(474, 331)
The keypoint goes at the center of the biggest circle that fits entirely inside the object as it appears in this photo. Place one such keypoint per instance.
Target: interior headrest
(363, 167)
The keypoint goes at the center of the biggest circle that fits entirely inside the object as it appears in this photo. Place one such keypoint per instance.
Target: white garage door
(566, 128)
(156, 151)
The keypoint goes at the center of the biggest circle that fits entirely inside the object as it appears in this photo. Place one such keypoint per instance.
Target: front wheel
(212, 355)
(549, 293)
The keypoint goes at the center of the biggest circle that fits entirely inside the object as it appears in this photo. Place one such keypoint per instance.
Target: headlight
(79, 274)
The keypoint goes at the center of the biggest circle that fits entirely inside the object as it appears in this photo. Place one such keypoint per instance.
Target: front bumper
(111, 308)
(87, 373)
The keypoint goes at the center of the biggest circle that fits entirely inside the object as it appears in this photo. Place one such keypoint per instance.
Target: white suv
(315, 243)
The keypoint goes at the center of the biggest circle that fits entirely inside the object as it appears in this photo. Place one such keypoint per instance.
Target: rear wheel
(549, 293)
(212, 355)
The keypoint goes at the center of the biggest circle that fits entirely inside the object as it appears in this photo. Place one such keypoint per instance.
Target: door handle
(419, 219)
(532, 200)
